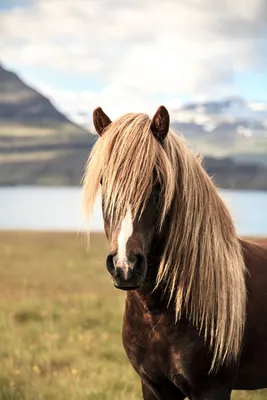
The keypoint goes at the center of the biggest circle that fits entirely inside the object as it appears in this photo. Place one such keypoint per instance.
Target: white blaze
(124, 235)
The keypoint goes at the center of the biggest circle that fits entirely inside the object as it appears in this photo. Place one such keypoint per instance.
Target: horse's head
(131, 236)
(129, 245)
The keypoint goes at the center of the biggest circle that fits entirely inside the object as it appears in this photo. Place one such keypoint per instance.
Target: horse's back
(261, 242)
(255, 257)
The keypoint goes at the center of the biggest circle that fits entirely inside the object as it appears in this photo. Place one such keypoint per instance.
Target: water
(45, 208)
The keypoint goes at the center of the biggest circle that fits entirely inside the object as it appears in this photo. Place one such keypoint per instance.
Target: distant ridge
(21, 104)
(39, 145)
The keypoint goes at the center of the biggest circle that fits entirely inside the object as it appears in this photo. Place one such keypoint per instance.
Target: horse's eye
(101, 180)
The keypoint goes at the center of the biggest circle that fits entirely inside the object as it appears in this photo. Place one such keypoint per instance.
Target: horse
(195, 319)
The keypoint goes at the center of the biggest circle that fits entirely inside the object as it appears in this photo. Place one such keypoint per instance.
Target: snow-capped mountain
(225, 127)
(228, 127)
(243, 118)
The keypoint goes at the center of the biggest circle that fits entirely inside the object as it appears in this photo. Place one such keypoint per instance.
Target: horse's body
(195, 321)
(172, 360)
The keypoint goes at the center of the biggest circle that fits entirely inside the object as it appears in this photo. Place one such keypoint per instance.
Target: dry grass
(20, 130)
(17, 157)
(17, 130)
(60, 322)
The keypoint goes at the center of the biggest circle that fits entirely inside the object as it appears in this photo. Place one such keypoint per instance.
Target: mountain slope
(231, 126)
(36, 140)
(228, 127)
(20, 104)
(41, 146)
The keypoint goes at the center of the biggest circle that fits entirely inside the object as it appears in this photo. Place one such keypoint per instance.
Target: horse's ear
(101, 120)
(160, 123)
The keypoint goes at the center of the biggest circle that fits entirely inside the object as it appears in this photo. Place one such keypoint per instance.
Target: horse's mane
(202, 267)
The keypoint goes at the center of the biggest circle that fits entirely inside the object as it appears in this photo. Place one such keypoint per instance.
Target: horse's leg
(220, 393)
(151, 393)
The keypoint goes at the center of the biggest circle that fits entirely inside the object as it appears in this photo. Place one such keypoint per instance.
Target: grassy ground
(60, 322)
(17, 130)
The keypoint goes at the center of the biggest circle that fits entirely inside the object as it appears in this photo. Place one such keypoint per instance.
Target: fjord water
(49, 208)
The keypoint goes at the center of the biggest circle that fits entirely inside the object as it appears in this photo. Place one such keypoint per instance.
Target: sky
(132, 56)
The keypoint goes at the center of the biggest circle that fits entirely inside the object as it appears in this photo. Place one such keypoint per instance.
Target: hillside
(22, 105)
(34, 135)
(230, 127)
(41, 146)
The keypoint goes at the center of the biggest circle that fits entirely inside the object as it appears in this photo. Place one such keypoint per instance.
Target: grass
(60, 322)
(48, 129)
(248, 150)
(28, 131)
(14, 157)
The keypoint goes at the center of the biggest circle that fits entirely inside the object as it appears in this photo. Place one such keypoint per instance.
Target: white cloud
(139, 49)
(113, 99)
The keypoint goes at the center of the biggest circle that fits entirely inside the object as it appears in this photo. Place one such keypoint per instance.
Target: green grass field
(60, 322)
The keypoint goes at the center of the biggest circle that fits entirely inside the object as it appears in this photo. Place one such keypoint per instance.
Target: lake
(48, 208)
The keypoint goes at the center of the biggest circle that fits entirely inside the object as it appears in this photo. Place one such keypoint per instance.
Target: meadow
(60, 322)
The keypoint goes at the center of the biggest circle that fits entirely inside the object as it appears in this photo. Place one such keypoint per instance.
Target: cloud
(140, 49)
(115, 100)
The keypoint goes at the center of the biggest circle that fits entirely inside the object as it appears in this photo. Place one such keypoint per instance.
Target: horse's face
(129, 246)
(131, 241)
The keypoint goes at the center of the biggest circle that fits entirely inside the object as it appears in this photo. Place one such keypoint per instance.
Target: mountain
(41, 146)
(23, 108)
(231, 126)
(234, 111)
(20, 104)
(227, 127)
(34, 136)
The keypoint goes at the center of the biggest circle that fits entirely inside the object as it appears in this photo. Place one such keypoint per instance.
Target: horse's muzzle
(129, 273)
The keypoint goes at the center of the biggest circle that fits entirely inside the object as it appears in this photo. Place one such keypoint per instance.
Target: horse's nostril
(139, 263)
(111, 264)
(133, 259)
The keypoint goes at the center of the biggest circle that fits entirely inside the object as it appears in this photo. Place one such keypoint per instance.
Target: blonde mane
(202, 268)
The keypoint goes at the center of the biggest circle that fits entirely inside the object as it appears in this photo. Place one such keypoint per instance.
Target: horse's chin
(127, 288)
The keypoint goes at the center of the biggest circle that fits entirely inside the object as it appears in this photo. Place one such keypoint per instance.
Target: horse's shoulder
(254, 252)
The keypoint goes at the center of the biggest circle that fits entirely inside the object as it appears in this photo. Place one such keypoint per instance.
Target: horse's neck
(150, 298)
